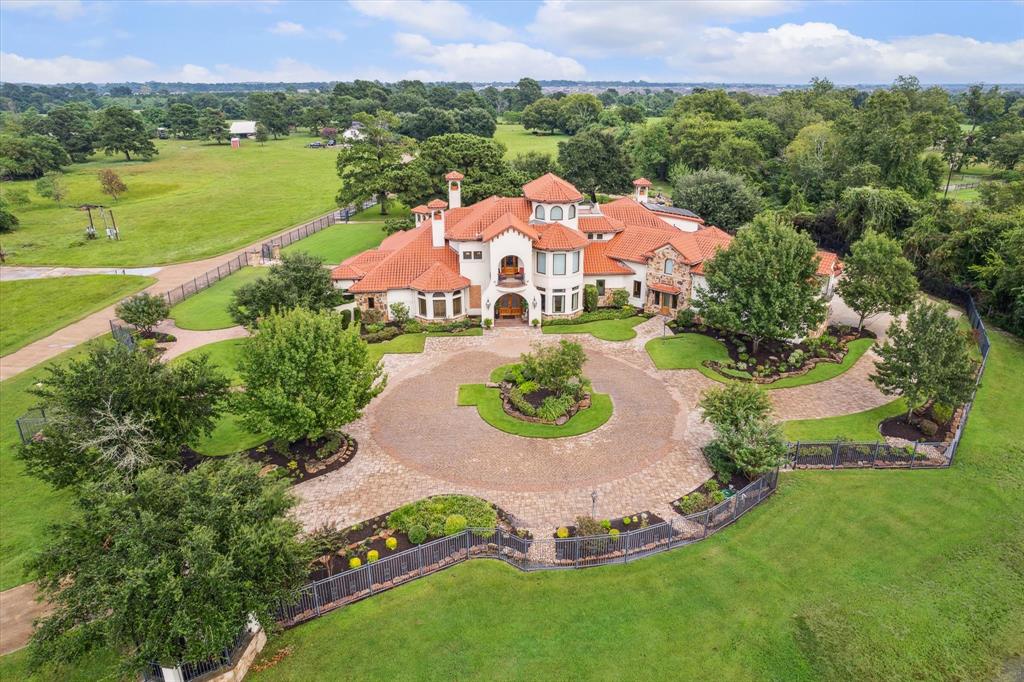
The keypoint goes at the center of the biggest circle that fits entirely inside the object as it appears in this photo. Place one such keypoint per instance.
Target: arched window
(439, 306)
(670, 265)
(556, 212)
(422, 304)
(539, 213)
(572, 211)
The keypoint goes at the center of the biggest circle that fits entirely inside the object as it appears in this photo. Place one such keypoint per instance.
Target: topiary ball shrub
(417, 534)
(562, 532)
(454, 524)
(372, 555)
(625, 521)
(354, 562)
(606, 524)
(614, 534)
(391, 543)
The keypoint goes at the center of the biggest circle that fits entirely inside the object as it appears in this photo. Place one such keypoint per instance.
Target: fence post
(913, 455)
(796, 457)
(671, 532)
(316, 600)
(419, 555)
(707, 516)
(625, 554)
(835, 455)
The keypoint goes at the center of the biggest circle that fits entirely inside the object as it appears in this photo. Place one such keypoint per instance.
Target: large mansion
(529, 257)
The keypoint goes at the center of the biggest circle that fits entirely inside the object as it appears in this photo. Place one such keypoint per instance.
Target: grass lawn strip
(209, 308)
(194, 200)
(860, 427)
(31, 309)
(519, 140)
(223, 355)
(488, 404)
(339, 242)
(606, 330)
(413, 343)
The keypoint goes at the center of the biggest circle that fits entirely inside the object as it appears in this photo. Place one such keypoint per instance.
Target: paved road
(14, 273)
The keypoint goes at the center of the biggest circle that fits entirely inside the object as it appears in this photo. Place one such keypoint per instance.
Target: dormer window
(539, 213)
(670, 265)
(572, 211)
(556, 212)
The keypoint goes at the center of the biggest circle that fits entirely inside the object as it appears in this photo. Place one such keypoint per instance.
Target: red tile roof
(632, 213)
(454, 175)
(641, 182)
(700, 246)
(829, 263)
(421, 209)
(357, 266)
(597, 262)
(665, 288)
(550, 188)
(600, 223)
(437, 203)
(439, 277)
(464, 224)
(509, 221)
(636, 243)
(558, 237)
(407, 262)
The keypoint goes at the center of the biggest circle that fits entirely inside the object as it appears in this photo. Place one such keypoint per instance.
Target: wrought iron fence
(526, 554)
(187, 672)
(123, 334)
(839, 454)
(31, 423)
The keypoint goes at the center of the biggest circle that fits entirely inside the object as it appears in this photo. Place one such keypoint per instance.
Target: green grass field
(209, 308)
(861, 426)
(34, 308)
(519, 140)
(413, 343)
(194, 200)
(337, 243)
(608, 330)
(488, 404)
(223, 355)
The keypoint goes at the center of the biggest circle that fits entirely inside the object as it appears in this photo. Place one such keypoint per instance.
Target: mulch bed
(536, 399)
(602, 545)
(619, 525)
(302, 453)
(736, 483)
(159, 337)
(897, 427)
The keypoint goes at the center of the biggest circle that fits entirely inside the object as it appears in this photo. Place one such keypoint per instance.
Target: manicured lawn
(337, 243)
(229, 436)
(519, 140)
(607, 330)
(488, 404)
(98, 666)
(689, 351)
(861, 426)
(34, 308)
(209, 308)
(846, 575)
(413, 343)
(193, 201)
(223, 354)
(395, 210)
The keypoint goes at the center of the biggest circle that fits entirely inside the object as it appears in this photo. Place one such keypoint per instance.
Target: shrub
(143, 311)
(620, 298)
(710, 486)
(515, 396)
(354, 562)
(417, 534)
(554, 407)
(734, 404)
(412, 327)
(928, 427)
(558, 368)
(587, 525)
(613, 533)
(346, 318)
(330, 446)
(432, 514)
(488, 323)
(373, 316)
(606, 524)
(454, 524)
(562, 532)
(625, 521)
(744, 356)
(589, 298)
(528, 387)
(374, 327)
(372, 555)
(536, 322)
(596, 316)
(391, 543)
(685, 317)
(385, 334)
(693, 503)
(942, 412)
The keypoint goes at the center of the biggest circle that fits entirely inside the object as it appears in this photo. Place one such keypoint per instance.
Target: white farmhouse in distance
(243, 128)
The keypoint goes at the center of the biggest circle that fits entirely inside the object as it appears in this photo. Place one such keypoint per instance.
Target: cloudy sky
(754, 41)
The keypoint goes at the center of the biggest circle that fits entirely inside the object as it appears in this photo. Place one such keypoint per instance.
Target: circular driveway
(418, 423)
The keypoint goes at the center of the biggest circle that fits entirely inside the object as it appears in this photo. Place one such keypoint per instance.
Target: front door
(510, 306)
(509, 266)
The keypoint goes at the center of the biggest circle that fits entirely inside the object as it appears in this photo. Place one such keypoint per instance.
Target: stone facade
(237, 672)
(606, 301)
(380, 302)
(680, 278)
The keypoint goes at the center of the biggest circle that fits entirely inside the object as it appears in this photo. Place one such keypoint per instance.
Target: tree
(754, 447)
(213, 125)
(399, 312)
(305, 375)
(169, 569)
(71, 124)
(928, 359)
(475, 121)
(593, 160)
(480, 159)
(764, 284)
(1007, 151)
(111, 183)
(697, 137)
(648, 150)
(370, 167)
(143, 311)
(8, 221)
(30, 156)
(535, 164)
(719, 197)
(814, 158)
(542, 115)
(877, 277)
(299, 280)
(261, 133)
(52, 186)
(178, 403)
(888, 211)
(268, 109)
(716, 103)
(556, 367)
(120, 130)
(428, 122)
(631, 113)
(527, 91)
(734, 404)
(184, 120)
(740, 156)
(577, 111)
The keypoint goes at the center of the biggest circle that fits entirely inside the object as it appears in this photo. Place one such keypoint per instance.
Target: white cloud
(331, 34)
(441, 18)
(287, 28)
(645, 27)
(60, 9)
(505, 60)
(793, 53)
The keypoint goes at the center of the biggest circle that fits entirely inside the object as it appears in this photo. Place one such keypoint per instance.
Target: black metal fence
(31, 423)
(839, 454)
(526, 554)
(123, 334)
(187, 672)
(264, 252)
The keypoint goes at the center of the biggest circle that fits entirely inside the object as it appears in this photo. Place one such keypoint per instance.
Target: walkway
(190, 340)
(18, 608)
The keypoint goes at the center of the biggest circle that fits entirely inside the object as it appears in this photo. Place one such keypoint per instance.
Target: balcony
(511, 277)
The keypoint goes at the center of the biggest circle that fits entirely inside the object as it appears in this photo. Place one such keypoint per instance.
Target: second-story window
(556, 212)
(539, 212)
(670, 265)
(572, 211)
(558, 263)
(542, 263)
(575, 261)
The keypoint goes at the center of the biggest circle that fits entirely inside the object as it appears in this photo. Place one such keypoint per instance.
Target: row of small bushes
(706, 497)
(596, 316)
(442, 515)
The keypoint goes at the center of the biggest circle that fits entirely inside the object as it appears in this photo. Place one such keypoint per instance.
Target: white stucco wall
(572, 222)
(680, 222)
(476, 271)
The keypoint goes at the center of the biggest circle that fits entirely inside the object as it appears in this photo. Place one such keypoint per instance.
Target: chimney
(454, 180)
(640, 188)
(437, 208)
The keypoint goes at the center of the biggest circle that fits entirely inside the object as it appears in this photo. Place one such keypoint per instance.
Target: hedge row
(596, 316)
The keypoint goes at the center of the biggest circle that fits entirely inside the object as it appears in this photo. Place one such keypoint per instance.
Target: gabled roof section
(642, 182)
(829, 263)
(436, 204)
(665, 288)
(439, 277)
(466, 224)
(597, 262)
(357, 266)
(633, 213)
(421, 209)
(558, 237)
(636, 243)
(454, 175)
(509, 221)
(413, 255)
(600, 224)
(551, 189)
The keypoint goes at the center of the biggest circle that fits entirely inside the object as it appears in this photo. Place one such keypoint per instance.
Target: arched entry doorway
(511, 308)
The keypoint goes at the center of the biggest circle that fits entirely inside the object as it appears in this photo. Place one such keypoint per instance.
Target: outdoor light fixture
(534, 301)
(488, 302)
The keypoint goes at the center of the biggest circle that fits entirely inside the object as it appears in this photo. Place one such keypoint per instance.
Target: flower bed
(776, 360)
(708, 495)
(603, 537)
(596, 316)
(926, 424)
(302, 460)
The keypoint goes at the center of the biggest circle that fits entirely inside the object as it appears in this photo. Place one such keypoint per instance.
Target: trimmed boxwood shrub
(385, 334)
(562, 532)
(596, 316)
(433, 512)
(417, 534)
(372, 555)
(354, 562)
(391, 543)
(346, 318)
(589, 297)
